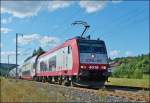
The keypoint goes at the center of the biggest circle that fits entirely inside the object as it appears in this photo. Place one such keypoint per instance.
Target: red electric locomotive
(79, 61)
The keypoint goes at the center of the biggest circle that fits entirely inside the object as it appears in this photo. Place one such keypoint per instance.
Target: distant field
(129, 82)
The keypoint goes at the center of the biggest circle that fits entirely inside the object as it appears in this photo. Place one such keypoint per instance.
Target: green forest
(131, 67)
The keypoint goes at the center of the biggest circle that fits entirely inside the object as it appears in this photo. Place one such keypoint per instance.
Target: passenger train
(78, 61)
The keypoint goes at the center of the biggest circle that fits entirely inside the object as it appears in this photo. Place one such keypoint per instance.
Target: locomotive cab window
(92, 48)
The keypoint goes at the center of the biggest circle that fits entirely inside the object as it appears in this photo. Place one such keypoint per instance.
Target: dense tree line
(132, 67)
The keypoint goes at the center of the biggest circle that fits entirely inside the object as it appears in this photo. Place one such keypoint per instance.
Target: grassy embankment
(24, 91)
(145, 82)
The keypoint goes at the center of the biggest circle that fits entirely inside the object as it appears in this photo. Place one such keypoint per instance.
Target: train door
(67, 57)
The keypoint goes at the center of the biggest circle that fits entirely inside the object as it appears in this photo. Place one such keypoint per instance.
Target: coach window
(34, 65)
(52, 63)
(26, 73)
(43, 66)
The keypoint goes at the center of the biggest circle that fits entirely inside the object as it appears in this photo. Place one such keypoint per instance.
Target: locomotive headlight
(103, 67)
(81, 66)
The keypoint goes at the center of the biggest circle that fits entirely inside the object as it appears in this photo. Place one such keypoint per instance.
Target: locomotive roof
(55, 48)
(78, 38)
(84, 38)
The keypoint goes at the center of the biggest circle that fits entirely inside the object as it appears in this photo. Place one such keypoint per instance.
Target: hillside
(132, 67)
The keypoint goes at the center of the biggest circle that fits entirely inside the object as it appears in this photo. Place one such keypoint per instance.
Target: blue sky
(123, 25)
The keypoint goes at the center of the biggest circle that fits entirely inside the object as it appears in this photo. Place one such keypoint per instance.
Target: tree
(34, 52)
(40, 50)
(138, 74)
(132, 67)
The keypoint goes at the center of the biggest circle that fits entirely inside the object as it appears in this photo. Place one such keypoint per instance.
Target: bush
(132, 67)
(138, 74)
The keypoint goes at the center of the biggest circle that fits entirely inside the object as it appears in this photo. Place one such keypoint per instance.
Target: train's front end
(93, 68)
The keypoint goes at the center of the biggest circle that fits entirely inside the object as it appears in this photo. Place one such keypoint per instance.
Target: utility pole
(0, 49)
(8, 58)
(17, 54)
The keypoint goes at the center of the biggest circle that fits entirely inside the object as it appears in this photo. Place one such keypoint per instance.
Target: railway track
(134, 94)
(126, 88)
(124, 93)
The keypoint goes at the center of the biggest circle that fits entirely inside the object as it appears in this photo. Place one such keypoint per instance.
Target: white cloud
(54, 5)
(117, 1)
(42, 40)
(26, 39)
(45, 40)
(6, 20)
(92, 6)
(6, 53)
(5, 30)
(118, 53)
(21, 9)
(115, 53)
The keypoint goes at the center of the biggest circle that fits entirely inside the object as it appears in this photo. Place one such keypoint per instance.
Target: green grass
(129, 82)
(30, 91)
(25, 91)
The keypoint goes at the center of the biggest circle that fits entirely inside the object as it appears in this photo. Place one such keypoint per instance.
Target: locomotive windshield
(92, 47)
